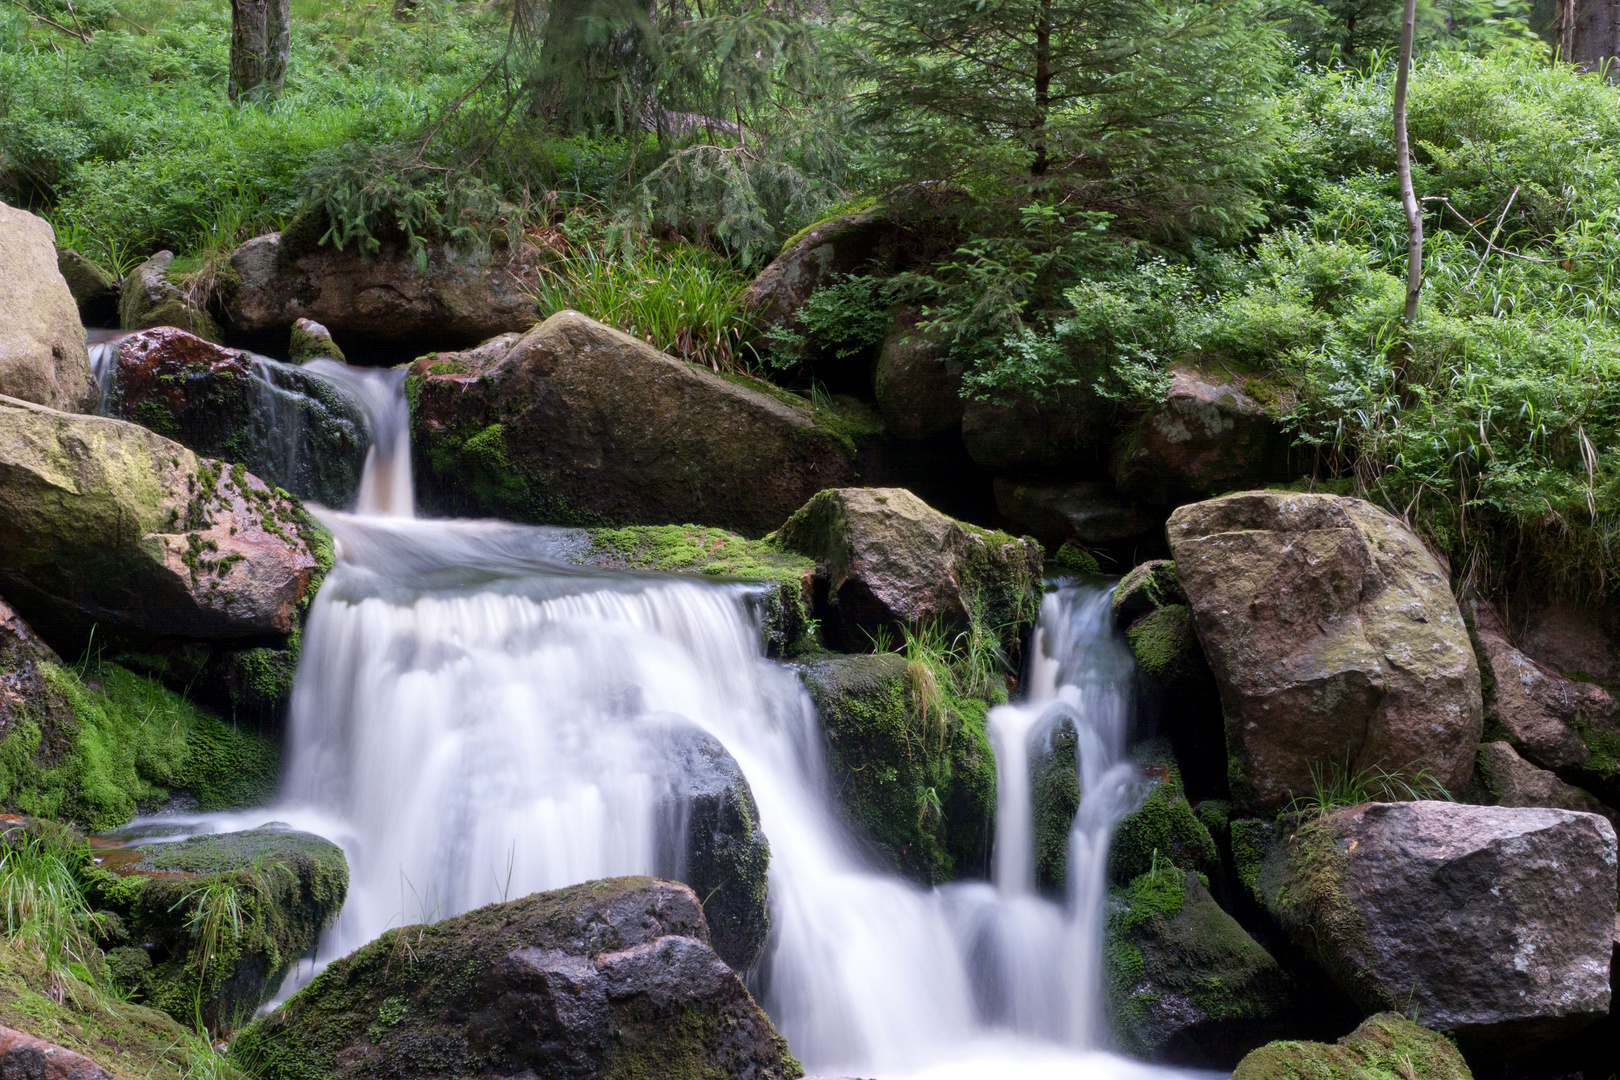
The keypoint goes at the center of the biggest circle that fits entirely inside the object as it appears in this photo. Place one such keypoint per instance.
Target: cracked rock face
(1335, 640)
(1491, 922)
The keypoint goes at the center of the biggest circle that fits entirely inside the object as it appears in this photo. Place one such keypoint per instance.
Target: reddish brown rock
(1334, 637)
(24, 1057)
(1510, 780)
(577, 423)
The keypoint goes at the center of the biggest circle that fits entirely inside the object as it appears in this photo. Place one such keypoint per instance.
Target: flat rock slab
(1494, 923)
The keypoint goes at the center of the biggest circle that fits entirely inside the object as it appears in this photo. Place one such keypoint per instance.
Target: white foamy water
(475, 720)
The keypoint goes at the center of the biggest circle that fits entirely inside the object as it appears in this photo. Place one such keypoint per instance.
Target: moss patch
(135, 744)
(1054, 799)
(1166, 645)
(919, 786)
(1163, 830)
(1385, 1047)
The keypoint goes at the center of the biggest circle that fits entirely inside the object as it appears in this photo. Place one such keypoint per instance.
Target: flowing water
(475, 719)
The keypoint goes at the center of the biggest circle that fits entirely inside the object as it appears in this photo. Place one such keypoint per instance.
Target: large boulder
(1493, 923)
(460, 298)
(918, 393)
(93, 743)
(1185, 982)
(1207, 436)
(95, 292)
(287, 886)
(1334, 637)
(710, 839)
(577, 423)
(911, 765)
(288, 427)
(43, 357)
(606, 979)
(1559, 724)
(885, 558)
(1385, 1046)
(104, 522)
(1085, 513)
(150, 299)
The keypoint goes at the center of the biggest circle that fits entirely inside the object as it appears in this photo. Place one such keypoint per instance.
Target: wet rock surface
(290, 428)
(1495, 924)
(105, 522)
(576, 423)
(606, 979)
(1334, 637)
(43, 357)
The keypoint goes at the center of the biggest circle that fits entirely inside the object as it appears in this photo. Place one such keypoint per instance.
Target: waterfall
(386, 485)
(474, 720)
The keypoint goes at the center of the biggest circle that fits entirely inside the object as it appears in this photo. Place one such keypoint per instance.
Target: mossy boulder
(785, 602)
(910, 763)
(1163, 830)
(1387, 1046)
(43, 356)
(103, 522)
(1495, 924)
(578, 424)
(1185, 981)
(1334, 637)
(1208, 435)
(214, 923)
(609, 979)
(885, 558)
(287, 427)
(1146, 588)
(149, 299)
(711, 840)
(1054, 793)
(95, 291)
(92, 747)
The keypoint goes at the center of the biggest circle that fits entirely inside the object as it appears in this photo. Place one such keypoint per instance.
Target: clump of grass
(939, 665)
(681, 299)
(45, 910)
(1339, 784)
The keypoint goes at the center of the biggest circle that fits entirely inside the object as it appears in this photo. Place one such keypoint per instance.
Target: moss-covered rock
(103, 522)
(284, 425)
(885, 558)
(911, 766)
(1387, 1046)
(91, 748)
(150, 299)
(1163, 830)
(1054, 792)
(1185, 982)
(309, 340)
(716, 553)
(1144, 589)
(576, 423)
(609, 979)
(221, 918)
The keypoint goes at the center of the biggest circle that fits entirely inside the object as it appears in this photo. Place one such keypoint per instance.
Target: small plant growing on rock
(1340, 784)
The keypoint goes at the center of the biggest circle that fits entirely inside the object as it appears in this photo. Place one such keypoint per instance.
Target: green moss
(1302, 884)
(848, 206)
(135, 743)
(1077, 559)
(716, 553)
(1252, 841)
(1386, 1046)
(1166, 645)
(1054, 800)
(918, 785)
(1163, 830)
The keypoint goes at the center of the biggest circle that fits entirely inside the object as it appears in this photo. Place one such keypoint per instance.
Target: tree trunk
(260, 39)
(1403, 167)
(1043, 87)
(1588, 31)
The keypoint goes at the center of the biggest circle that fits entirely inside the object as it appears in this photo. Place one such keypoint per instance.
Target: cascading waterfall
(474, 719)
